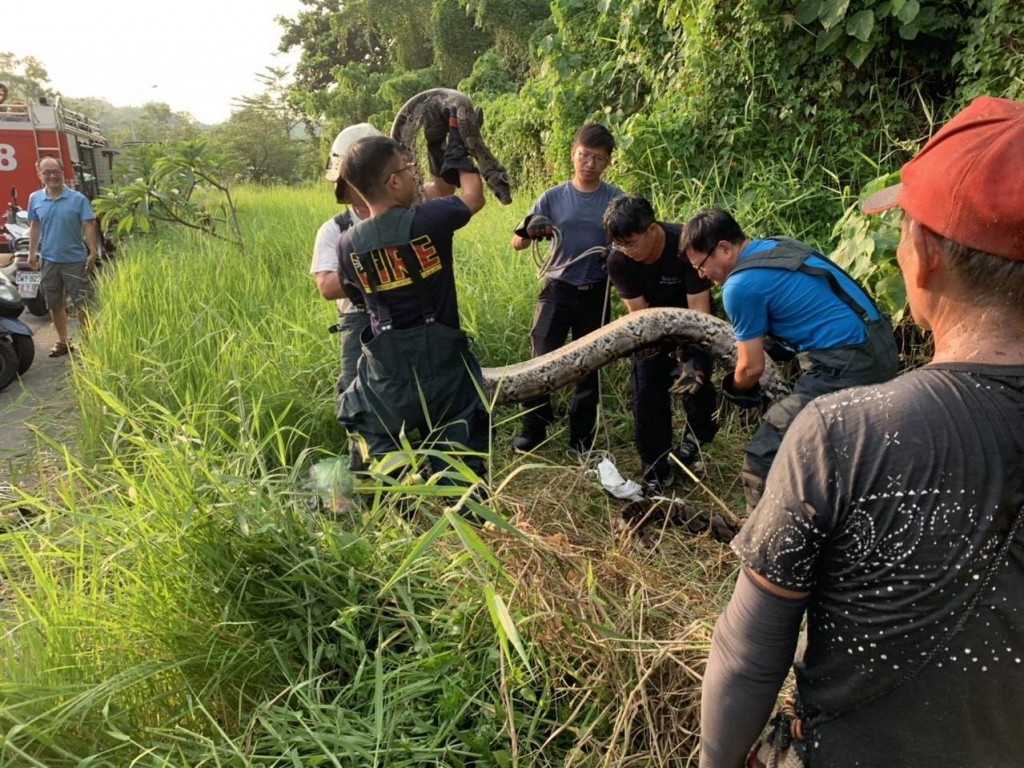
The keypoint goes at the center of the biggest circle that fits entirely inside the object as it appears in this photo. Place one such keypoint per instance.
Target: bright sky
(200, 54)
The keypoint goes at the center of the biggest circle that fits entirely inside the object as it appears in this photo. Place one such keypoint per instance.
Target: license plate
(28, 284)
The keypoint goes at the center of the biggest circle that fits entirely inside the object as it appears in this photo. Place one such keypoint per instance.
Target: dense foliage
(803, 104)
(706, 83)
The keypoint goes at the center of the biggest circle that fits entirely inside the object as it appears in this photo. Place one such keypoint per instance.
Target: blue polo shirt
(60, 221)
(798, 309)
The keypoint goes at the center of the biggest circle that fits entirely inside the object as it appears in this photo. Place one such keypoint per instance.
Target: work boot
(529, 438)
(689, 453)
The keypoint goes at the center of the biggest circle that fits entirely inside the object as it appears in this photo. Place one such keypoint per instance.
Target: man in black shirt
(416, 374)
(893, 513)
(646, 268)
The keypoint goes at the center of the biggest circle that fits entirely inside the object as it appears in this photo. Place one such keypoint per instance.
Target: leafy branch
(165, 193)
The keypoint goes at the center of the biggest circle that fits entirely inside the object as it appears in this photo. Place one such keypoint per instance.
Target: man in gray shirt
(574, 298)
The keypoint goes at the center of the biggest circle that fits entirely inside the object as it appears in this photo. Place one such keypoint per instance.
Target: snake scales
(567, 365)
(409, 121)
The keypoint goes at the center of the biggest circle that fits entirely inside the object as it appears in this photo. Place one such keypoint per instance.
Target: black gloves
(535, 226)
(435, 131)
(748, 398)
(689, 379)
(456, 155)
(540, 228)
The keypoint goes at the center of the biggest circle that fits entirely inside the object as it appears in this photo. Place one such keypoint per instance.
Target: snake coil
(409, 122)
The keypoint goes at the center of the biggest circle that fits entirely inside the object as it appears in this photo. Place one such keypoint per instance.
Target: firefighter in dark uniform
(416, 374)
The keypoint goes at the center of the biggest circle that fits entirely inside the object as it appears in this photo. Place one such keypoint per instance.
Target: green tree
(258, 144)
(378, 35)
(329, 34)
(170, 174)
(514, 25)
(153, 122)
(457, 41)
(25, 77)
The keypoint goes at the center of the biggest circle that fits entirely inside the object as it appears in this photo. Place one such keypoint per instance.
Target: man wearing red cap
(894, 514)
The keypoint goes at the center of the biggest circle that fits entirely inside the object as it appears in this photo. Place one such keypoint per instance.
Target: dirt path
(42, 398)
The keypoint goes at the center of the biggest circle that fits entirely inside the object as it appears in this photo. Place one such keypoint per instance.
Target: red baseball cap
(967, 184)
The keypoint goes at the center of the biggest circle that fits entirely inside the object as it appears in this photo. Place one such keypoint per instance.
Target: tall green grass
(183, 600)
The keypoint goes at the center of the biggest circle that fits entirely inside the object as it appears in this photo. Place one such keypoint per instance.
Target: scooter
(17, 349)
(25, 279)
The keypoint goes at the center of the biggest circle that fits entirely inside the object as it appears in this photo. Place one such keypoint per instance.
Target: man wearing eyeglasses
(417, 377)
(57, 218)
(574, 297)
(782, 291)
(352, 316)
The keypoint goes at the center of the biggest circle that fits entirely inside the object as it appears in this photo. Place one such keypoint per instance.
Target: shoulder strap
(344, 220)
(792, 255)
(391, 230)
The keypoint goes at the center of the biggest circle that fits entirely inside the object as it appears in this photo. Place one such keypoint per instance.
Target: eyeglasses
(407, 167)
(54, 172)
(699, 267)
(586, 157)
(631, 247)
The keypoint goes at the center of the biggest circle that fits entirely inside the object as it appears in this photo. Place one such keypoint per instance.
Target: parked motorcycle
(25, 279)
(17, 349)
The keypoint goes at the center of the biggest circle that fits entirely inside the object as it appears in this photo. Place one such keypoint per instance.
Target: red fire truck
(31, 131)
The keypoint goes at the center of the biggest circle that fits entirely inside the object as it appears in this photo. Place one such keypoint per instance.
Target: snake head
(500, 185)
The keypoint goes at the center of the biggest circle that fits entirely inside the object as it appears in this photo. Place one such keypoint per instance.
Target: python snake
(543, 375)
(409, 122)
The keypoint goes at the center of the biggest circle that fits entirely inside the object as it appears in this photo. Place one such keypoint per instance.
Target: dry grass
(615, 615)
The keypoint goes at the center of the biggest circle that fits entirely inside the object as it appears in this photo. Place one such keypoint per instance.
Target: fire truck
(31, 131)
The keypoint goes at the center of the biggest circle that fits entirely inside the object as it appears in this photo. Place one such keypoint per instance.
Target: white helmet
(342, 142)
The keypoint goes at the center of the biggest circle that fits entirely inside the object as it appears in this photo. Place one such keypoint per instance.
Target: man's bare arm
(329, 285)
(33, 242)
(635, 305)
(749, 363)
(92, 241)
(472, 190)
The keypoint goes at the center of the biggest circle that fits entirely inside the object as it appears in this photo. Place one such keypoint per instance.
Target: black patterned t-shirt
(889, 504)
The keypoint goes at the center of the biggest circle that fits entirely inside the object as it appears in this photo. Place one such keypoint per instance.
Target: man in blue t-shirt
(57, 218)
(781, 291)
(574, 298)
